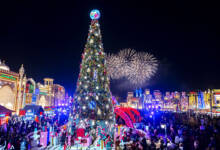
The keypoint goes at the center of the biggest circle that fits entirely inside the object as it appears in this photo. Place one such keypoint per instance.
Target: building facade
(16, 90)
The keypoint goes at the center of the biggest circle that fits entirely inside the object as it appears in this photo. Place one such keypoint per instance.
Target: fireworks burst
(137, 67)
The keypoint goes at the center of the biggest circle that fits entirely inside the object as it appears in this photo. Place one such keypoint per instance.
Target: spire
(21, 70)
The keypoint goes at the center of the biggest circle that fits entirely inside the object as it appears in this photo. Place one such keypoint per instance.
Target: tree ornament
(95, 75)
(92, 105)
(97, 97)
(88, 70)
(96, 34)
(91, 41)
(95, 14)
(99, 112)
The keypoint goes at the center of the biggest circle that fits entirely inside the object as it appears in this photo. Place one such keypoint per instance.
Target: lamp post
(163, 126)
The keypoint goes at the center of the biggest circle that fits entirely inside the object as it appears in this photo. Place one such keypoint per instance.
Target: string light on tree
(88, 70)
(94, 90)
(91, 41)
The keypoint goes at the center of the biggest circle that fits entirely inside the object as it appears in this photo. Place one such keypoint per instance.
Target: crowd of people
(18, 132)
(173, 131)
(157, 131)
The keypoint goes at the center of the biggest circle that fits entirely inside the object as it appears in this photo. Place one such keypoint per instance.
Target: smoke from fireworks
(137, 67)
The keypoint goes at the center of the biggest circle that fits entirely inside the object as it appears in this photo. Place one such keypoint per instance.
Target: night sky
(48, 37)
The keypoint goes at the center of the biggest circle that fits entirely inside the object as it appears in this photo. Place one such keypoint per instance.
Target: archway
(33, 83)
(124, 116)
(130, 114)
(136, 112)
(7, 97)
(42, 101)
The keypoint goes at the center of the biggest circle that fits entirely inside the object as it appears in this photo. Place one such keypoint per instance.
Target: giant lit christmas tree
(93, 93)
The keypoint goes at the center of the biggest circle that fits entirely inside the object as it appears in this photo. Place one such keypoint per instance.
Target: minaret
(21, 75)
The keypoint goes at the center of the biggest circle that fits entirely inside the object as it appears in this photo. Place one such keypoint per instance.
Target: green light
(8, 77)
(43, 93)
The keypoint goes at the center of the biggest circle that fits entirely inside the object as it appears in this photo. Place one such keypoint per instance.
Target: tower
(48, 83)
(19, 103)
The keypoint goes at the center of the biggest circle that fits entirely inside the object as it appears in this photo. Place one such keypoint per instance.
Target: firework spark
(143, 67)
(137, 67)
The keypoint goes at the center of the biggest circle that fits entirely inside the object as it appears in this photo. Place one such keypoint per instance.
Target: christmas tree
(93, 92)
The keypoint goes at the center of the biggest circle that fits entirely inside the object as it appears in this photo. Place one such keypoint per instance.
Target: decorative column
(24, 88)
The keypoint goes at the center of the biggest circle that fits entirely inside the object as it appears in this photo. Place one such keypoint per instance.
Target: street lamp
(163, 126)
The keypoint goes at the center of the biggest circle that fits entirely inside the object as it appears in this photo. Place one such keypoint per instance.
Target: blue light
(2, 115)
(95, 14)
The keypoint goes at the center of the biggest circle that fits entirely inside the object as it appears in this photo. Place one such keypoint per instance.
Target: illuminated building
(123, 104)
(132, 101)
(184, 102)
(176, 101)
(16, 90)
(147, 99)
(46, 96)
(59, 95)
(11, 87)
(192, 100)
(50, 94)
(168, 105)
(216, 98)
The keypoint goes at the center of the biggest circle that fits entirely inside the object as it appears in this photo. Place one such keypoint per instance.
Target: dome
(3, 66)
